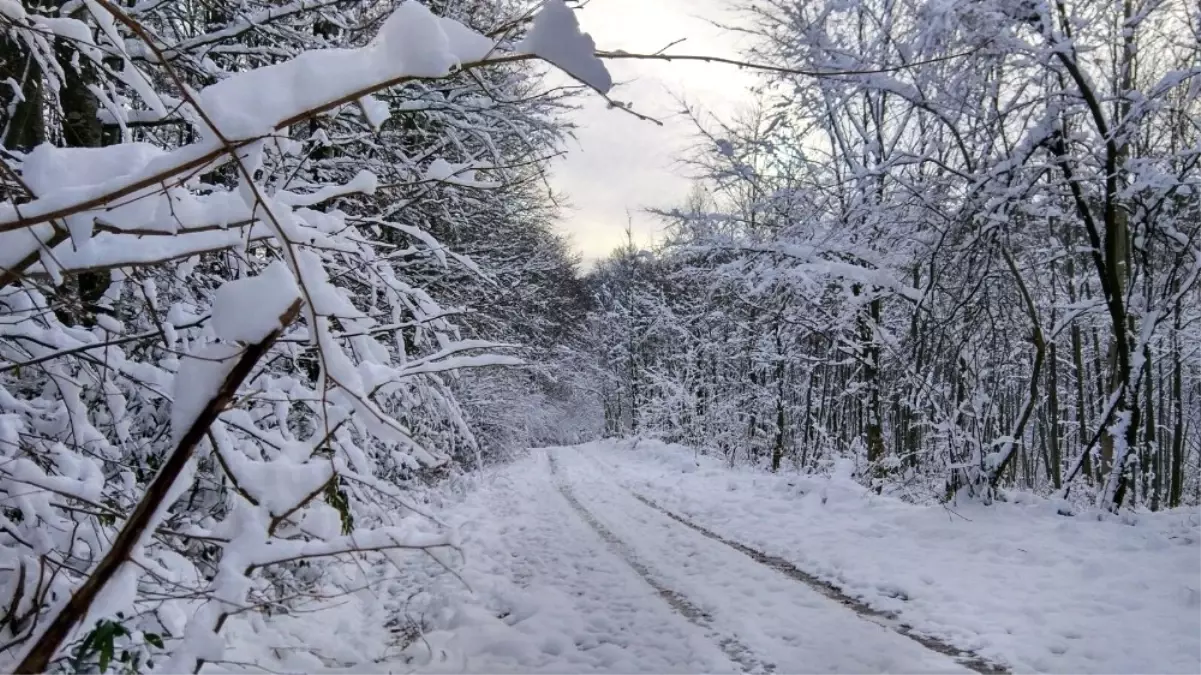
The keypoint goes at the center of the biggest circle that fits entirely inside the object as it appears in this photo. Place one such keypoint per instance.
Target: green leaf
(106, 654)
(86, 647)
(153, 639)
(336, 497)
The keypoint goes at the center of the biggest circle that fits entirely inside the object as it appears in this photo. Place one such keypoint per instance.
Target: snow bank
(1014, 582)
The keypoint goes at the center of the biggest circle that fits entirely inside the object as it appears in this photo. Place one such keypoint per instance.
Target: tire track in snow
(732, 647)
(888, 620)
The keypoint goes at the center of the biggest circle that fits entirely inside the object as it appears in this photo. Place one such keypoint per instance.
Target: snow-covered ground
(537, 590)
(569, 573)
(568, 604)
(587, 579)
(784, 624)
(565, 570)
(1016, 583)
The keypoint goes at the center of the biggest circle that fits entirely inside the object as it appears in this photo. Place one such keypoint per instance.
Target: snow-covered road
(588, 578)
(578, 606)
(767, 620)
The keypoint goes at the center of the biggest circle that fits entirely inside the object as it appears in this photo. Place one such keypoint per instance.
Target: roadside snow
(1016, 583)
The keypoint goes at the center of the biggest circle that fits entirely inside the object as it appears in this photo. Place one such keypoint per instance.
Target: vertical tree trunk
(873, 422)
(1055, 455)
(807, 430)
(25, 128)
(1147, 447)
(1081, 376)
(1176, 488)
(81, 128)
(777, 453)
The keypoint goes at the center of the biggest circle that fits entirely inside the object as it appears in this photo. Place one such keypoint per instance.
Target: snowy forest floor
(583, 560)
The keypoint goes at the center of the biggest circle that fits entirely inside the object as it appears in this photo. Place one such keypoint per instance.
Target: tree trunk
(1176, 488)
(1055, 458)
(25, 128)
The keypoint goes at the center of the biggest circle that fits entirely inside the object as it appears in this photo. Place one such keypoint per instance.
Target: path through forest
(607, 583)
(763, 618)
(612, 558)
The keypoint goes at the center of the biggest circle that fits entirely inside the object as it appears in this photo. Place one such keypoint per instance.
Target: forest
(977, 271)
(275, 274)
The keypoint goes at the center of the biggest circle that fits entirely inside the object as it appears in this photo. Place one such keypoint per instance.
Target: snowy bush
(222, 355)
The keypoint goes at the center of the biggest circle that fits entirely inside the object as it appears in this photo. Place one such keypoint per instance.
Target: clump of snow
(200, 375)
(468, 45)
(457, 174)
(61, 174)
(412, 43)
(556, 37)
(376, 111)
(109, 323)
(249, 309)
(278, 485)
(412, 36)
(13, 10)
(47, 168)
(439, 169)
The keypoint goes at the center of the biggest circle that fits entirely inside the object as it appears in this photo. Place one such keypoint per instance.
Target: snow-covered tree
(231, 333)
(970, 259)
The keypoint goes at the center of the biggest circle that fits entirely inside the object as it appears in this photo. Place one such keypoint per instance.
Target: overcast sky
(618, 163)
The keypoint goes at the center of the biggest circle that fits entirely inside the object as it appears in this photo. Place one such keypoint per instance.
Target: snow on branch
(556, 37)
(167, 375)
(215, 386)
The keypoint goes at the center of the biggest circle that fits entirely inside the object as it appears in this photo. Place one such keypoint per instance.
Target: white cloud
(619, 163)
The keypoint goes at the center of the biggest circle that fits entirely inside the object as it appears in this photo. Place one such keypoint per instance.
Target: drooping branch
(37, 658)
